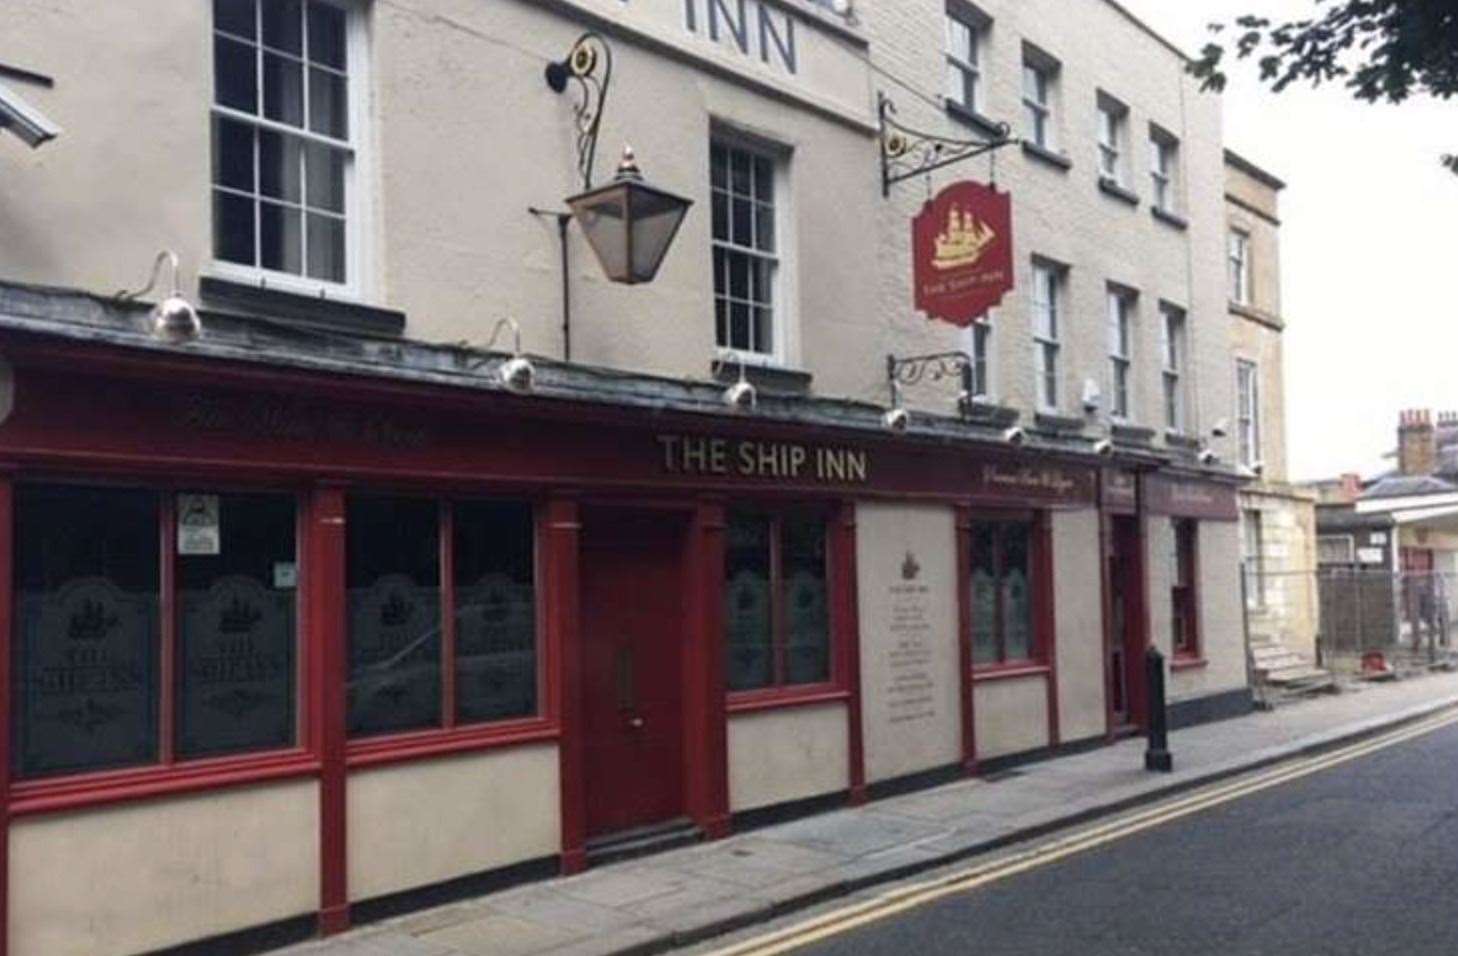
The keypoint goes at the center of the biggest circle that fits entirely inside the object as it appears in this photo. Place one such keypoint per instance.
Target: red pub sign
(962, 252)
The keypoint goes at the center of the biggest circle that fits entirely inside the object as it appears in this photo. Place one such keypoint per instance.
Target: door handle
(636, 723)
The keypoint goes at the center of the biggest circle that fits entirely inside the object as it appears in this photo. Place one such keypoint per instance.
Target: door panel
(1126, 664)
(632, 633)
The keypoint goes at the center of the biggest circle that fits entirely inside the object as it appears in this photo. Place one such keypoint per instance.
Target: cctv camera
(741, 394)
(1208, 457)
(1103, 448)
(896, 419)
(518, 374)
(1015, 435)
(24, 120)
(1221, 428)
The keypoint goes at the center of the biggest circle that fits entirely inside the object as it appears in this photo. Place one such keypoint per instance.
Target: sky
(1369, 246)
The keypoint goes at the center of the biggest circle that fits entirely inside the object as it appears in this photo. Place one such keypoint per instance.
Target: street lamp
(628, 223)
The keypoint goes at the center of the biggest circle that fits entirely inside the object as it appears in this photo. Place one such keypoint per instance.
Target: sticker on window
(198, 528)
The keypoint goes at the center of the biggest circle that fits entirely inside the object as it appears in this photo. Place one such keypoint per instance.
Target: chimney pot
(1417, 442)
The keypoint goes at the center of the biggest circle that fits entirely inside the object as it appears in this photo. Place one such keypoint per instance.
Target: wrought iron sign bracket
(932, 368)
(907, 153)
(589, 64)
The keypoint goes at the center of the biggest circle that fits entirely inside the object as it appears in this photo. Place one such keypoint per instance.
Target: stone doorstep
(920, 853)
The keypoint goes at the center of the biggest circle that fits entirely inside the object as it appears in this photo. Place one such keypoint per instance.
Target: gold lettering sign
(1029, 479)
(747, 458)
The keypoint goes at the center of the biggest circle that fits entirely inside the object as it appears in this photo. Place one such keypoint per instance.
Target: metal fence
(1338, 614)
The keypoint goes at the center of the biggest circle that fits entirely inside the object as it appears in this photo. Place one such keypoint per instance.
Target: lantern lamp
(629, 223)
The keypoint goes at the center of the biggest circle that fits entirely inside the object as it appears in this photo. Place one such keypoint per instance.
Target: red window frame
(1039, 596)
(1184, 591)
(452, 736)
(168, 774)
(778, 693)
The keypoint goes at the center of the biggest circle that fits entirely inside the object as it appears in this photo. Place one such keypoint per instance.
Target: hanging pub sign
(962, 253)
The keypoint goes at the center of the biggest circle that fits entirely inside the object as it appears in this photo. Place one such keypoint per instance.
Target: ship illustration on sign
(964, 240)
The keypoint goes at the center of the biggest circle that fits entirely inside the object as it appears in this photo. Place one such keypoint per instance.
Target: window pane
(283, 25)
(233, 155)
(764, 179)
(283, 89)
(393, 581)
(747, 628)
(740, 216)
(325, 174)
(718, 166)
(984, 595)
(764, 227)
(806, 600)
(233, 228)
(326, 248)
(326, 35)
(236, 637)
(86, 629)
(721, 215)
(238, 17)
(279, 166)
(496, 611)
(739, 326)
(328, 104)
(235, 76)
(1017, 604)
(280, 238)
(740, 164)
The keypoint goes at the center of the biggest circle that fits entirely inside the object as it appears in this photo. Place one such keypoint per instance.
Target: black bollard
(1157, 756)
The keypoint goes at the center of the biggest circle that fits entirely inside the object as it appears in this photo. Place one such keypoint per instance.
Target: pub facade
(332, 606)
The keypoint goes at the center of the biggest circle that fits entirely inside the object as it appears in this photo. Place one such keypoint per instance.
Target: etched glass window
(87, 637)
(237, 617)
(393, 583)
(283, 147)
(1001, 592)
(776, 600)
(496, 611)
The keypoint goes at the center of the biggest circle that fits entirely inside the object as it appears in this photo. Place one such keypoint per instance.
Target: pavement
(1359, 858)
(680, 897)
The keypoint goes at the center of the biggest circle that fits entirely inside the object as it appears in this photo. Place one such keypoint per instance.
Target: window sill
(1128, 434)
(1057, 424)
(984, 412)
(1187, 663)
(780, 698)
(967, 116)
(82, 791)
(418, 745)
(1110, 188)
(1010, 671)
(335, 315)
(1173, 220)
(1048, 156)
(1181, 440)
(769, 379)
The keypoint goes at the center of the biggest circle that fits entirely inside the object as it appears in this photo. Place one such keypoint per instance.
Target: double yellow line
(919, 894)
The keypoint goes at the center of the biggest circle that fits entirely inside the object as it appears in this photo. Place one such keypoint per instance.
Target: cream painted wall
(777, 756)
(141, 876)
(1222, 633)
(911, 694)
(1078, 613)
(1060, 214)
(426, 822)
(1011, 716)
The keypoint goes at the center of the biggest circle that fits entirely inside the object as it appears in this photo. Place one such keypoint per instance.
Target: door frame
(705, 766)
(1135, 589)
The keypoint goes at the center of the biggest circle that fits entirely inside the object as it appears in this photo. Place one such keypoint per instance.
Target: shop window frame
(169, 775)
(1039, 662)
(1187, 565)
(452, 736)
(780, 695)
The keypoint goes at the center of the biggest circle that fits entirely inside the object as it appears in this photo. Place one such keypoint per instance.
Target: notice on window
(199, 531)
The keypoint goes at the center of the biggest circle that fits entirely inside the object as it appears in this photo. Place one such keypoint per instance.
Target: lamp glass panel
(655, 221)
(603, 218)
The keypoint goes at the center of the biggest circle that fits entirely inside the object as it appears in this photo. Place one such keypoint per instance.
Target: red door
(1126, 650)
(632, 633)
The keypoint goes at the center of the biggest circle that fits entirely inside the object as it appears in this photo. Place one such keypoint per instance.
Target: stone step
(1300, 674)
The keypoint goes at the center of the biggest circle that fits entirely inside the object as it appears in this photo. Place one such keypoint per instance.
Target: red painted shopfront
(379, 619)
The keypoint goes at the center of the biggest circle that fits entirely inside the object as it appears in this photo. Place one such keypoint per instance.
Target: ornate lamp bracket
(906, 152)
(589, 64)
(915, 369)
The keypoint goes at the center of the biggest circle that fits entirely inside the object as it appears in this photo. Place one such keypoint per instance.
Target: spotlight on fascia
(896, 419)
(173, 319)
(1104, 448)
(25, 121)
(1258, 468)
(516, 373)
(741, 395)
(1015, 436)
(1092, 397)
(1221, 428)
(1208, 457)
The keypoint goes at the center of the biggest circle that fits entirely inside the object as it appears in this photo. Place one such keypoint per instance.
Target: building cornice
(1258, 316)
(1232, 158)
(1259, 213)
